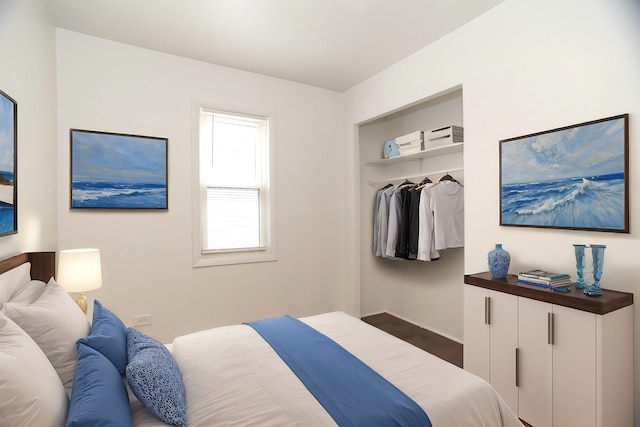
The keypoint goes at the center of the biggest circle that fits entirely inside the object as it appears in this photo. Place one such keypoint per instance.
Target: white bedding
(232, 377)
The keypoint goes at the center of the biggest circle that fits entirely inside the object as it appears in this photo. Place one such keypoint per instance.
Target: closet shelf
(431, 174)
(430, 152)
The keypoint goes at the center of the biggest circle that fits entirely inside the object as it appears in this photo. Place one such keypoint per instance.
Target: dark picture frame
(574, 177)
(8, 165)
(118, 171)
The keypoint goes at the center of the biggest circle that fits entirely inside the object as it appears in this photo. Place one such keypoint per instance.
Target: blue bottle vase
(579, 251)
(597, 252)
(499, 260)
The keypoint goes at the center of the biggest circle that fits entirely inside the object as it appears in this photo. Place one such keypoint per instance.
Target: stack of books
(546, 279)
(410, 143)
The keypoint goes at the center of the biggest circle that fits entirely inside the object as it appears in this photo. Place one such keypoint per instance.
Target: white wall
(525, 66)
(27, 74)
(146, 255)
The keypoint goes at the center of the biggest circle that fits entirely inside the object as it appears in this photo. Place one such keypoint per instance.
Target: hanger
(422, 183)
(448, 177)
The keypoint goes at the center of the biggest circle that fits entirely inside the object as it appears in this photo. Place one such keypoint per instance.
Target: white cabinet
(575, 368)
(477, 331)
(534, 362)
(556, 359)
(490, 339)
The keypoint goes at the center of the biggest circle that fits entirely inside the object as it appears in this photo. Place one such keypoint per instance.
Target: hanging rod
(418, 177)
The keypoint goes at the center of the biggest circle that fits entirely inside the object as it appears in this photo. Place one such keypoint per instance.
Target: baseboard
(424, 327)
(373, 314)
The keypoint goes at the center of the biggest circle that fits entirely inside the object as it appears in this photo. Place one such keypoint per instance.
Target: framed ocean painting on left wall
(118, 171)
(8, 164)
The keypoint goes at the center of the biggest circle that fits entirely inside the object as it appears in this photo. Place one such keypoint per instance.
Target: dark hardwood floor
(435, 344)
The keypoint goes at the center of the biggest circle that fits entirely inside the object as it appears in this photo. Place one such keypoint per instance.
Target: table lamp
(79, 270)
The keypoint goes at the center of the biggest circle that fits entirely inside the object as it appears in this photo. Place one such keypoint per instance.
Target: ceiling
(332, 44)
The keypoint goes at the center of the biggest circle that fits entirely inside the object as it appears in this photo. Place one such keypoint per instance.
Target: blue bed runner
(349, 390)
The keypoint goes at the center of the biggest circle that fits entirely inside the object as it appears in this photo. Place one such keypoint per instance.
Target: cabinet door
(476, 332)
(490, 339)
(614, 343)
(535, 356)
(574, 368)
(504, 340)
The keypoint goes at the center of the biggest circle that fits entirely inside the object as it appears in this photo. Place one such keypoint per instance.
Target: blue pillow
(108, 336)
(98, 396)
(154, 378)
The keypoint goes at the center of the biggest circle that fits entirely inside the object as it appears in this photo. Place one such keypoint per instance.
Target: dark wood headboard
(43, 264)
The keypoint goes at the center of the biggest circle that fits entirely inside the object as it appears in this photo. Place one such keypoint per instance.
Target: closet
(428, 294)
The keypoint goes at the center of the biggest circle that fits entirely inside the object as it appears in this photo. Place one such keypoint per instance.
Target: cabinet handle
(487, 310)
(551, 339)
(517, 367)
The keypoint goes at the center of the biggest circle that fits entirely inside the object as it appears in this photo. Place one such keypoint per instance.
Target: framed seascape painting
(118, 171)
(8, 165)
(575, 177)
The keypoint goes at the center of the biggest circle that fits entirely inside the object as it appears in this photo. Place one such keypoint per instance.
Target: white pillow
(13, 280)
(31, 393)
(29, 292)
(55, 322)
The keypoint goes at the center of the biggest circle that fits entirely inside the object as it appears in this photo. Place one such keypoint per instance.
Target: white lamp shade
(79, 270)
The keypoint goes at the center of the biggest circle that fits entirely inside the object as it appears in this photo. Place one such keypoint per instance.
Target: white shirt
(382, 219)
(426, 242)
(376, 224)
(447, 204)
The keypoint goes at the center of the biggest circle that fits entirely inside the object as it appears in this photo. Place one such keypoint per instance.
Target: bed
(57, 368)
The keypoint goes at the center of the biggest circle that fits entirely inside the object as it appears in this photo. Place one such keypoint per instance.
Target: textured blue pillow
(98, 397)
(108, 336)
(154, 378)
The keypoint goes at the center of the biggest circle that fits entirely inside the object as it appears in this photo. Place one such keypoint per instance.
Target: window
(234, 189)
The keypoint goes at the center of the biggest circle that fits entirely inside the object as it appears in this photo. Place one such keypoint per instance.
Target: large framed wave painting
(574, 177)
(8, 165)
(118, 171)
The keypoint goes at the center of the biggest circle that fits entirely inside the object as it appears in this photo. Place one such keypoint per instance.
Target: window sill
(213, 260)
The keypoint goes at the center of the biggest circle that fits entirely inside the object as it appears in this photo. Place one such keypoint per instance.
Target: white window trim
(200, 259)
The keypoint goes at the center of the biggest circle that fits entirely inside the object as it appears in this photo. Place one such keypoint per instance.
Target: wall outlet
(142, 320)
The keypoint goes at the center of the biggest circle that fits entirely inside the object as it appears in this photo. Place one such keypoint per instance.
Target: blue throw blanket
(349, 390)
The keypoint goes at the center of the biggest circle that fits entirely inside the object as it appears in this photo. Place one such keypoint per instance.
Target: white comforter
(232, 377)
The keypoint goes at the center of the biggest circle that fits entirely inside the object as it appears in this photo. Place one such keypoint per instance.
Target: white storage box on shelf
(443, 136)
(410, 148)
(410, 137)
(411, 143)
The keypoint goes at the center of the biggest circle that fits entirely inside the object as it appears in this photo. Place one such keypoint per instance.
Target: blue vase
(499, 261)
(579, 251)
(597, 252)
